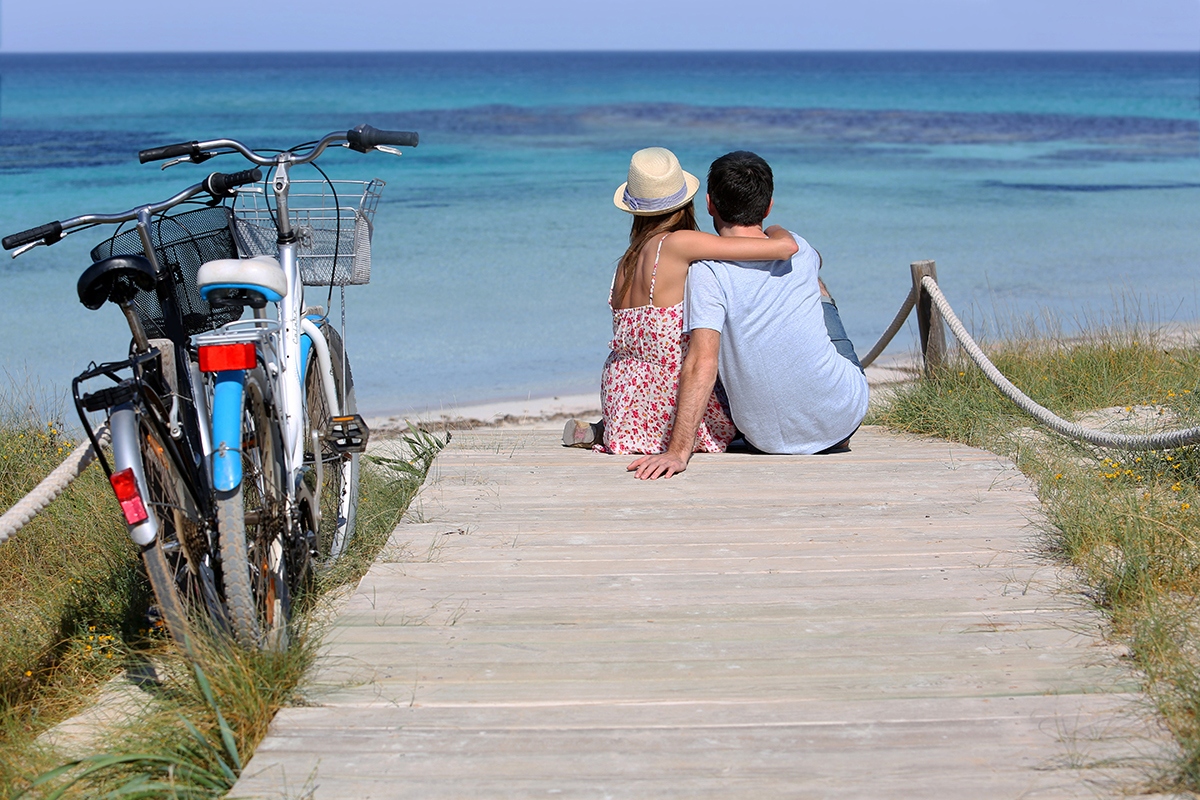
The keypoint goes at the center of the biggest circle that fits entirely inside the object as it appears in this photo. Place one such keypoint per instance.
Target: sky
(307, 25)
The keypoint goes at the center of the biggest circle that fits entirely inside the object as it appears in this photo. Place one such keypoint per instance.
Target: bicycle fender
(228, 391)
(127, 455)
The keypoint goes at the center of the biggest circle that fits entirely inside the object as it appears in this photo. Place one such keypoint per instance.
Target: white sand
(549, 412)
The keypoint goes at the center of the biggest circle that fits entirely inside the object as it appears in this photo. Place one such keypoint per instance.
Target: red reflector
(125, 485)
(222, 357)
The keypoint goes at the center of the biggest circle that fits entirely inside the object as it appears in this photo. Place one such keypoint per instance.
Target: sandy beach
(885, 374)
(535, 412)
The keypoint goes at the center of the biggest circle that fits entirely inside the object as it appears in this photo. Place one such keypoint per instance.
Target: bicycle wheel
(336, 508)
(252, 524)
(179, 560)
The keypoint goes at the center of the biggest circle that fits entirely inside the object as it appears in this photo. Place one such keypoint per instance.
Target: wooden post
(929, 321)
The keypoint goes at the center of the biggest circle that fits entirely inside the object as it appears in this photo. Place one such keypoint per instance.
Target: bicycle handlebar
(361, 138)
(217, 184)
(50, 232)
(221, 184)
(191, 149)
(364, 138)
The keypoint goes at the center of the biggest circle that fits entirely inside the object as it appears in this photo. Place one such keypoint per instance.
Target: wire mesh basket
(332, 220)
(182, 243)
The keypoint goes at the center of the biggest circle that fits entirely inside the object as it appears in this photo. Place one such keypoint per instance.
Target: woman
(641, 375)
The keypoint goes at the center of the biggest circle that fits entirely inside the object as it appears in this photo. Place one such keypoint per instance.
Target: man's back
(789, 390)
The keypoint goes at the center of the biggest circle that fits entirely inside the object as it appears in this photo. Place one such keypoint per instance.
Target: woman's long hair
(644, 229)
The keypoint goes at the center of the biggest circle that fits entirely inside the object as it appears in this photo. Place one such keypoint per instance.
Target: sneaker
(581, 433)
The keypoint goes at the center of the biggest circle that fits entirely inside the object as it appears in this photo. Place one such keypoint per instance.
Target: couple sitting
(752, 304)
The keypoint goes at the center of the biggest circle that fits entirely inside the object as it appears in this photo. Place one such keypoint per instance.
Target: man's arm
(696, 380)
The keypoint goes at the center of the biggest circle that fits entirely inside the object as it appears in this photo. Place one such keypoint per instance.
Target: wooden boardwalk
(876, 624)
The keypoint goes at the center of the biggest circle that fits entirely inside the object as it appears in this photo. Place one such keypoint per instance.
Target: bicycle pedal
(347, 434)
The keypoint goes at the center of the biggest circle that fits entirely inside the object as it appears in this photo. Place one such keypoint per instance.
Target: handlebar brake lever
(383, 148)
(25, 248)
(204, 156)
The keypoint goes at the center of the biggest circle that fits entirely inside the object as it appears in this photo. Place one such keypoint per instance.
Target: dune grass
(1129, 521)
(76, 601)
(70, 588)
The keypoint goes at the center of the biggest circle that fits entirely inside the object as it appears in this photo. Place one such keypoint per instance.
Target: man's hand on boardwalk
(664, 465)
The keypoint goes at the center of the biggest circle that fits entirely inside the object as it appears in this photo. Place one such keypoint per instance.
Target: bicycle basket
(332, 220)
(182, 243)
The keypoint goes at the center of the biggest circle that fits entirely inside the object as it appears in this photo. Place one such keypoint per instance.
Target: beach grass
(70, 586)
(1129, 522)
(76, 602)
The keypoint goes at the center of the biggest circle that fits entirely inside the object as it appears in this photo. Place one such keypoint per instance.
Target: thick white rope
(905, 308)
(1120, 441)
(51, 487)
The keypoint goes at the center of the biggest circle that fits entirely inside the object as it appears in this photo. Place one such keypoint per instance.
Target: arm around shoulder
(778, 245)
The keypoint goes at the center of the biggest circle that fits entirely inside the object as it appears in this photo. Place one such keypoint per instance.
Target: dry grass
(76, 601)
(70, 587)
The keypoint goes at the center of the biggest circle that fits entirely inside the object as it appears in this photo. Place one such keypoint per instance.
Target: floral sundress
(641, 381)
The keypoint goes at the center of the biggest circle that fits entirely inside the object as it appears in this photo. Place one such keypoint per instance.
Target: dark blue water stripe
(1090, 187)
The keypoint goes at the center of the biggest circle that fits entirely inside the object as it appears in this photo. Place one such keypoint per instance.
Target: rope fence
(51, 486)
(1118, 441)
(933, 309)
(925, 296)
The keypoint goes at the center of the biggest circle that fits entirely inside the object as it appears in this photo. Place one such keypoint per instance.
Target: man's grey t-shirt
(789, 390)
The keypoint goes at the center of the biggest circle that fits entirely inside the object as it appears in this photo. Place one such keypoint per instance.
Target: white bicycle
(285, 434)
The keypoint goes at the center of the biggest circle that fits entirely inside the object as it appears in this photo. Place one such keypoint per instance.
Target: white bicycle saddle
(261, 273)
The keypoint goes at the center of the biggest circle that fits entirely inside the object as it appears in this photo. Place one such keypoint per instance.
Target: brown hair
(644, 229)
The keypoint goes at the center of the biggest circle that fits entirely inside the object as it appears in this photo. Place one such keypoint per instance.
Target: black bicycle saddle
(118, 279)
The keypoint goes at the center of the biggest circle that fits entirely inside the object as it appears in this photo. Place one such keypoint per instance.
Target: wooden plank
(757, 626)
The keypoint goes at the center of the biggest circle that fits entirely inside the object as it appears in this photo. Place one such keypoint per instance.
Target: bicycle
(283, 383)
(154, 401)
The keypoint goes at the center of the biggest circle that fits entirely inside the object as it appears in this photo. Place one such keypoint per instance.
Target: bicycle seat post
(140, 341)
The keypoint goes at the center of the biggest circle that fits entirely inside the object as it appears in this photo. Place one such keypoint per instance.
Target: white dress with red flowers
(641, 381)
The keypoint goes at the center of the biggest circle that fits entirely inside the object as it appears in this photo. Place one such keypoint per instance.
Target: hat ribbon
(654, 203)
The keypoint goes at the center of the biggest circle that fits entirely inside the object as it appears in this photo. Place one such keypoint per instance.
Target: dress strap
(654, 272)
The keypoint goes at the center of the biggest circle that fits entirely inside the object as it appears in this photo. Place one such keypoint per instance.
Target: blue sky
(141, 25)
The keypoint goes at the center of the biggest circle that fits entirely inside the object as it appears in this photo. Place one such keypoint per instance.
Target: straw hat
(656, 185)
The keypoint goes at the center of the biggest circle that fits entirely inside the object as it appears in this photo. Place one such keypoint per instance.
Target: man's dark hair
(740, 185)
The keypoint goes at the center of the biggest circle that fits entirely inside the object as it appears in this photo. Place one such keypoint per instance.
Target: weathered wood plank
(878, 624)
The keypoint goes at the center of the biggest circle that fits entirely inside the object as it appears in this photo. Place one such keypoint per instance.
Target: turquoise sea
(1060, 182)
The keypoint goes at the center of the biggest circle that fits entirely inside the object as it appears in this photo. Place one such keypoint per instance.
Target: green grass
(70, 588)
(1129, 521)
(75, 600)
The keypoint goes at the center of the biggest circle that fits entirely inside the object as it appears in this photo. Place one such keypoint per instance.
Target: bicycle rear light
(125, 485)
(223, 357)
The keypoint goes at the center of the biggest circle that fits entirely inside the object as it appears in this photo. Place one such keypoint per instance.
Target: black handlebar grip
(51, 232)
(191, 149)
(364, 137)
(221, 184)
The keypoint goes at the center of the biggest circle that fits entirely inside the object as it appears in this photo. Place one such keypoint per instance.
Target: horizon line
(615, 51)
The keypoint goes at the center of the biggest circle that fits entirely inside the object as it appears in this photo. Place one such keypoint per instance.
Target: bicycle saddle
(242, 281)
(118, 279)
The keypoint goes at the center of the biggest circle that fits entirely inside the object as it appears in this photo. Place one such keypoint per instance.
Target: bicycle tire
(252, 526)
(175, 559)
(338, 503)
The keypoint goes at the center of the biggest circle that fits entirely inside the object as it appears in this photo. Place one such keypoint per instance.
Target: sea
(1046, 186)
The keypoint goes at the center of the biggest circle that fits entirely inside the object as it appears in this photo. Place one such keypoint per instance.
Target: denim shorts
(837, 332)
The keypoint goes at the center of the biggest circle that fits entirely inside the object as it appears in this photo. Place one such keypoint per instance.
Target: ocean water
(1060, 183)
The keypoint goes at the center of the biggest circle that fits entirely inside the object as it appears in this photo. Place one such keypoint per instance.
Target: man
(790, 388)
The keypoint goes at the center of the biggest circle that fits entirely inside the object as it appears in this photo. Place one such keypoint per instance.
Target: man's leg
(845, 348)
(837, 332)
